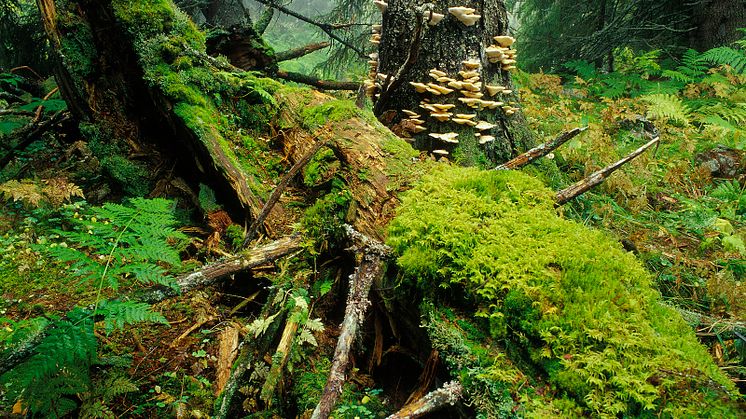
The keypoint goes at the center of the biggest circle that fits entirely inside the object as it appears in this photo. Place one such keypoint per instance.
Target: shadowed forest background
(369, 209)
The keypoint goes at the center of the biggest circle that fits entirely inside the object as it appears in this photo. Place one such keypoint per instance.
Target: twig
(371, 269)
(450, 393)
(30, 133)
(414, 51)
(540, 151)
(300, 52)
(189, 331)
(316, 82)
(327, 28)
(598, 177)
(29, 69)
(277, 192)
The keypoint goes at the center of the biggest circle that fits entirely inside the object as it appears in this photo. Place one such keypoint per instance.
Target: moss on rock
(580, 309)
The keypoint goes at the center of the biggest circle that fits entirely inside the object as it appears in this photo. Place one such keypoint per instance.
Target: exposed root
(450, 393)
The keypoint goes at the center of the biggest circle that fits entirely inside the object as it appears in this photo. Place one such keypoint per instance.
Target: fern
(734, 58)
(693, 67)
(117, 314)
(582, 68)
(663, 106)
(54, 191)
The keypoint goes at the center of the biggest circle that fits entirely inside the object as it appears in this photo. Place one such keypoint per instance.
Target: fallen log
(449, 394)
(300, 52)
(370, 270)
(540, 151)
(317, 82)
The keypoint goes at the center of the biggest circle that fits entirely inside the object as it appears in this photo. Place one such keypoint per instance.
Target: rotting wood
(280, 188)
(370, 269)
(227, 352)
(540, 151)
(300, 52)
(280, 359)
(596, 178)
(206, 276)
(712, 326)
(449, 394)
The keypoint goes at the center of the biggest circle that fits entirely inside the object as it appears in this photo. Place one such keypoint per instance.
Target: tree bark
(444, 47)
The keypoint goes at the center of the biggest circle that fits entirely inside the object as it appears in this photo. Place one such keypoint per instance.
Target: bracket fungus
(435, 73)
(419, 87)
(484, 139)
(449, 137)
(504, 40)
(440, 152)
(433, 18)
(466, 115)
(470, 64)
(437, 89)
(441, 116)
(410, 113)
(464, 14)
(382, 5)
(484, 125)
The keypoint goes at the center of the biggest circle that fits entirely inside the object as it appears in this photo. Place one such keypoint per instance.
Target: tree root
(370, 269)
(450, 393)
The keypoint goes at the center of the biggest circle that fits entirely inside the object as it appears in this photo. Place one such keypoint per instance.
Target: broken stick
(370, 269)
(596, 178)
(450, 393)
(540, 151)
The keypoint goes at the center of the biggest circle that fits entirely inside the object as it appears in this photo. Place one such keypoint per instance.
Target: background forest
(97, 238)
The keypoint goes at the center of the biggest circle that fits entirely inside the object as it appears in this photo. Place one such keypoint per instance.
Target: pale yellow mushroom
(466, 115)
(470, 65)
(493, 51)
(428, 107)
(434, 18)
(418, 128)
(382, 76)
(465, 15)
(416, 121)
(461, 9)
(373, 56)
(504, 40)
(410, 113)
(462, 121)
(468, 74)
(473, 87)
(440, 152)
(441, 90)
(455, 84)
(508, 62)
(507, 91)
(382, 5)
(376, 27)
(509, 112)
(449, 137)
(438, 72)
(491, 104)
(443, 106)
(419, 87)
(509, 67)
(444, 79)
(484, 125)
(484, 139)
(467, 93)
(493, 90)
(441, 116)
(471, 102)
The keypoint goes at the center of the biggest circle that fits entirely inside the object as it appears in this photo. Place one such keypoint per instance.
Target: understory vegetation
(626, 302)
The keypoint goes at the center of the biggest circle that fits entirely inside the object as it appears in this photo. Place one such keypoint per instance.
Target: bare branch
(450, 393)
(540, 151)
(300, 52)
(316, 82)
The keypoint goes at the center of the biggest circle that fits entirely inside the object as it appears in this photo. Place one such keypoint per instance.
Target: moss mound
(571, 302)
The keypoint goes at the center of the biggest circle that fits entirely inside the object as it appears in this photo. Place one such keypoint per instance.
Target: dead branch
(31, 133)
(206, 276)
(370, 269)
(450, 393)
(264, 20)
(280, 359)
(713, 326)
(300, 52)
(598, 177)
(280, 188)
(317, 82)
(327, 28)
(540, 151)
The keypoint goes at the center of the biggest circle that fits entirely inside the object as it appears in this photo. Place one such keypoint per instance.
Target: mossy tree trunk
(410, 44)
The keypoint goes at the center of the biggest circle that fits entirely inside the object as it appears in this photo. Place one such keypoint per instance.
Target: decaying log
(279, 361)
(598, 177)
(317, 82)
(371, 269)
(226, 355)
(450, 393)
(540, 151)
(206, 276)
(299, 52)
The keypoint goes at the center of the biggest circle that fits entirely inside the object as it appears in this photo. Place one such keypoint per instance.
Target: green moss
(581, 309)
(331, 111)
(323, 221)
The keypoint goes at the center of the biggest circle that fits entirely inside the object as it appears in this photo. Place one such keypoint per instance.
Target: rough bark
(450, 393)
(717, 23)
(444, 46)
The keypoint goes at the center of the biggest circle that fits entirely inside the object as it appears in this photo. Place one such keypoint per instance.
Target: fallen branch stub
(371, 268)
(540, 151)
(317, 82)
(596, 178)
(300, 52)
(449, 394)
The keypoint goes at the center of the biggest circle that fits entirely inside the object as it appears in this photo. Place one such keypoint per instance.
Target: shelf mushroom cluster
(500, 52)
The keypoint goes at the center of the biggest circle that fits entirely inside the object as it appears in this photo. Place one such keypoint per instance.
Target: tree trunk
(717, 23)
(411, 45)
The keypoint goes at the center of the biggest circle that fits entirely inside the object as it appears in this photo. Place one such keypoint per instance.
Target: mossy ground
(581, 309)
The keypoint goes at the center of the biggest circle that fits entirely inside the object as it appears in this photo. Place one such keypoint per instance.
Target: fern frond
(734, 58)
(582, 68)
(662, 106)
(118, 314)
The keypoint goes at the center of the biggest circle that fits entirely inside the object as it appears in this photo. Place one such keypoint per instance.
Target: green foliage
(581, 308)
(118, 241)
(323, 220)
(735, 58)
(663, 106)
(117, 314)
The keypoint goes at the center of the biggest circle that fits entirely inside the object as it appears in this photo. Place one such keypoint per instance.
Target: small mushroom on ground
(484, 139)
(382, 5)
(449, 137)
(504, 40)
(466, 115)
(484, 125)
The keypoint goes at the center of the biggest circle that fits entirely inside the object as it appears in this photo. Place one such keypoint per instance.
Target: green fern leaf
(662, 106)
(118, 314)
(734, 58)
